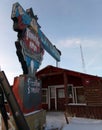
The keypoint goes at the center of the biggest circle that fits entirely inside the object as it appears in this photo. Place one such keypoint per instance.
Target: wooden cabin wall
(52, 80)
(93, 91)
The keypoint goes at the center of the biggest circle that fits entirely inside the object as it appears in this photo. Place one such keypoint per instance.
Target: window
(79, 94)
(70, 91)
(44, 95)
(52, 92)
(76, 94)
(61, 93)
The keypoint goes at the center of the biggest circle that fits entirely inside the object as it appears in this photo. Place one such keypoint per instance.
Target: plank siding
(92, 90)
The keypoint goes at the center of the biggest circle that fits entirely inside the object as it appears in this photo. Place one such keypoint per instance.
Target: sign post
(30, 47)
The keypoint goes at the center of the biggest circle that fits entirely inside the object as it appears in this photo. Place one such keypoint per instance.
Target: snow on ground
(56, 120)
(83, 124)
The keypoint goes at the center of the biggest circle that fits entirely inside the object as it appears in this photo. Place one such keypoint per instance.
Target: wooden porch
(83, 92)
(82, 110)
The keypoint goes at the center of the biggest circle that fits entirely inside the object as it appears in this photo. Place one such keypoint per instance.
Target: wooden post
(65, 87)
(66, 96)
(66, 117)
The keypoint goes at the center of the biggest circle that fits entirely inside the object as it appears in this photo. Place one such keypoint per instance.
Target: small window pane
(52, 92)
(70, 91)
(61, 93)
(44, 96)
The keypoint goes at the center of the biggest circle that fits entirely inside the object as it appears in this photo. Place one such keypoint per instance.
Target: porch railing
(82, 110)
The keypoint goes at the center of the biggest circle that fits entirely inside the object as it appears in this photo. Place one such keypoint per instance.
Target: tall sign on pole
(30, 46)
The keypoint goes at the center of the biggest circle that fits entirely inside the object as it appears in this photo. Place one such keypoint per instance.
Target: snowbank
(83, 124)
(57, 120)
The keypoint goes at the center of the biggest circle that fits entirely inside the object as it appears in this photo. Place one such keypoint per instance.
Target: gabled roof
(52, 69)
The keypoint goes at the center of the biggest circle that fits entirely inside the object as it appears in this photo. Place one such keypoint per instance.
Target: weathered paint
(28, 93)
(51, 49)
(30, 50)
(25, 20)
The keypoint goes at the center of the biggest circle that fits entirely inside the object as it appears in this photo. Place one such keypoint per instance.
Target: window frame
(45, 95)
(74, 94)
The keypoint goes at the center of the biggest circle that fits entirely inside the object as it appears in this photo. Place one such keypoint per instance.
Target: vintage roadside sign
(30, 48)
(23, 19)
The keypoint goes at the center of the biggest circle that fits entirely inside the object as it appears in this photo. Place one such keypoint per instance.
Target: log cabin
(78, 94)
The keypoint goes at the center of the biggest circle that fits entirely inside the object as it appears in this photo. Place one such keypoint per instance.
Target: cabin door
(56, 98)
(52, 98)
(60, 99)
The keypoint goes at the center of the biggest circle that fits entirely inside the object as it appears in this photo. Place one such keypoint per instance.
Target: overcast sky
(67, 24)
